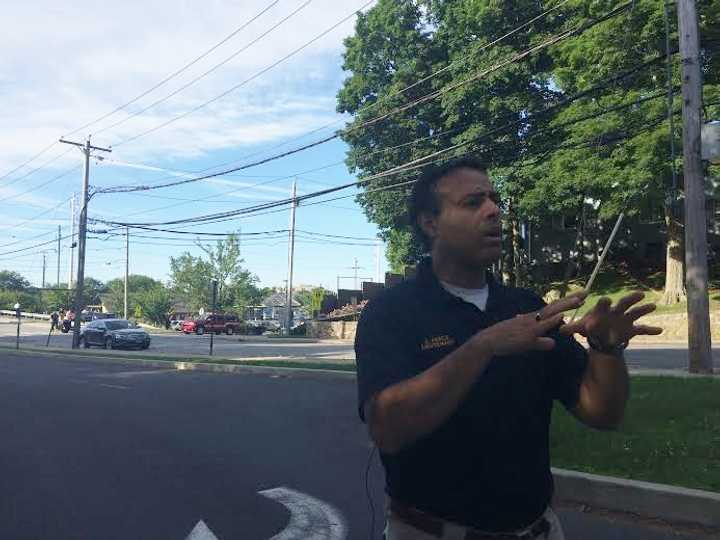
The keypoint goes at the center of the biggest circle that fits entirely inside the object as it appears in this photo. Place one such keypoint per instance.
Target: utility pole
(356, 268)
(214, 310)
(57, 282)
(696, 276)
(72, 242)
(82, 229)
(291, 256)
(43, 281)
(127, 268)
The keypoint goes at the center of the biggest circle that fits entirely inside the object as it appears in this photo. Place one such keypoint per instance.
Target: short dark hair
(424, 199)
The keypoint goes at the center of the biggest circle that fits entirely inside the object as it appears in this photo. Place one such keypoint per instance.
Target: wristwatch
(615, 350)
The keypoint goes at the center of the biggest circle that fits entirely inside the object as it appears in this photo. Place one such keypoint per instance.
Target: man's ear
(428, 223)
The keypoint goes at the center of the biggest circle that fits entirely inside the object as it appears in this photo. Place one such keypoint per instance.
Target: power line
(206, 73)
(54, 240)
(174, 74)
(403, 90)
(244, 82)
(30, 160)
(36, 169)
(38, 215)
(428, 97)
(47, 183)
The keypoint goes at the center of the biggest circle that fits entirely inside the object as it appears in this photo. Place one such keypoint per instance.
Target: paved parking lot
(34, 334)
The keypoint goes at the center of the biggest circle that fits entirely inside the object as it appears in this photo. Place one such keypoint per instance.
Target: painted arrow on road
(201, 532)
(310, 518)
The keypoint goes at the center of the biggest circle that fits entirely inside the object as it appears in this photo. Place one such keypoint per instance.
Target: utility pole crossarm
(83, 146)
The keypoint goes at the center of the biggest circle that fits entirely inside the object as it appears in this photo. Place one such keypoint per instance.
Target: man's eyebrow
(483, 193)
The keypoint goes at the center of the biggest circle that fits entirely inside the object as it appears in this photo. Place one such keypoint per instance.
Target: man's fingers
(545, 325)
(643, 330)
(572, 328)
(626, 301)
(603, 305)
(640, 311)
(544, 344)
(572, 301)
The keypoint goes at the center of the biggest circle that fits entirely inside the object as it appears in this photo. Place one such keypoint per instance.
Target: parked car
(99, 316)
(176, 324)
(214, 322)
(114, 334)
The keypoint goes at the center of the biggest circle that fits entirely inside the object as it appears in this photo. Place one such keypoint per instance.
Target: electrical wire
(175, 73)
(396, 170)
(245, 81)
(204, 74)
(403, 90)
(423, 99)
(44, 184)
(30, 160)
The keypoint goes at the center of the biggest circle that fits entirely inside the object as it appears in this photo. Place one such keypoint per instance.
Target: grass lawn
(671, 435)
(615, 285)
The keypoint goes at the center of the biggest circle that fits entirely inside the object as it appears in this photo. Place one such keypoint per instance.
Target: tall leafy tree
(13, 281)
(138, 284)
(191, 277)
(551, 152)
(398, 43)
(626, 166)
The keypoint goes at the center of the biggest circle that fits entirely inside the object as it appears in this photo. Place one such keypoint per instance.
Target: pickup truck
(217, 323)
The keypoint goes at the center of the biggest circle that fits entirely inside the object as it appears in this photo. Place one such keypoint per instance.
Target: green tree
(137, 285)
(397, 43)
(191, 277)
(627, 165)
(311, 299)
(155, 305)
(546, 158)
(13, 281)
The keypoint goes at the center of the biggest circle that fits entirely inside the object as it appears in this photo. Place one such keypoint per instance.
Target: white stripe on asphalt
(128, 374)
(201, 532)
(115, 386)
(310, 518)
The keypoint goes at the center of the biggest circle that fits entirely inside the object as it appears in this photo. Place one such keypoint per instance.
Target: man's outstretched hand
(613, 326)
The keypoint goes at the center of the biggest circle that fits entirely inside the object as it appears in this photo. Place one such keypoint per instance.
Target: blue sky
(69, 66)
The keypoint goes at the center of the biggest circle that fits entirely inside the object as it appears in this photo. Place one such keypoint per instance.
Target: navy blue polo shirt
(488, 465)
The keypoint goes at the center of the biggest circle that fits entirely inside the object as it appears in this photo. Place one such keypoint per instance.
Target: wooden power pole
(696, 280)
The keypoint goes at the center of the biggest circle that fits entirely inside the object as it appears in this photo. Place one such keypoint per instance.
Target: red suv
(217, 323)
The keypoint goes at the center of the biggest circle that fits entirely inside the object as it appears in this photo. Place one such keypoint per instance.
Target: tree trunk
(516, 255)
(507, 259)
(674, 263)
(573, 267)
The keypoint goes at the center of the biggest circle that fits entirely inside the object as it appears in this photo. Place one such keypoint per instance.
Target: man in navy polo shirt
(457, 375)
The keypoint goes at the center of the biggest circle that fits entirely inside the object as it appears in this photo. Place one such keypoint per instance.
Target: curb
(654, 501)
(679, 373)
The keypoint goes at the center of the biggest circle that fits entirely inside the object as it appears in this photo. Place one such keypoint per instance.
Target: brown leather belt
(435, 526)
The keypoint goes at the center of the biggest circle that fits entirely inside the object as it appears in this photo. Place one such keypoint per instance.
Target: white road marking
(129, 374)
(116, 386)
(201, 532)
(310, 518)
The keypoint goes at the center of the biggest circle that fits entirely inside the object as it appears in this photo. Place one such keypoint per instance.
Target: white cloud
(70, 65)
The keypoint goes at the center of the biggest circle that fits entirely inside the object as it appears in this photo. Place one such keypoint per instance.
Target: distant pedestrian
(54, 318)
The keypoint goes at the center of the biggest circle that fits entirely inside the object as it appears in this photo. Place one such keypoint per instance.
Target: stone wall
(332, 329)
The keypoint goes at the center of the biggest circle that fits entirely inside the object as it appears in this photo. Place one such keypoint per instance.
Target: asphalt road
(34, 334)
(115, 452)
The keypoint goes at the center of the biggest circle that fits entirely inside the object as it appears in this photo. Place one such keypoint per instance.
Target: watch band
(615, 350)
